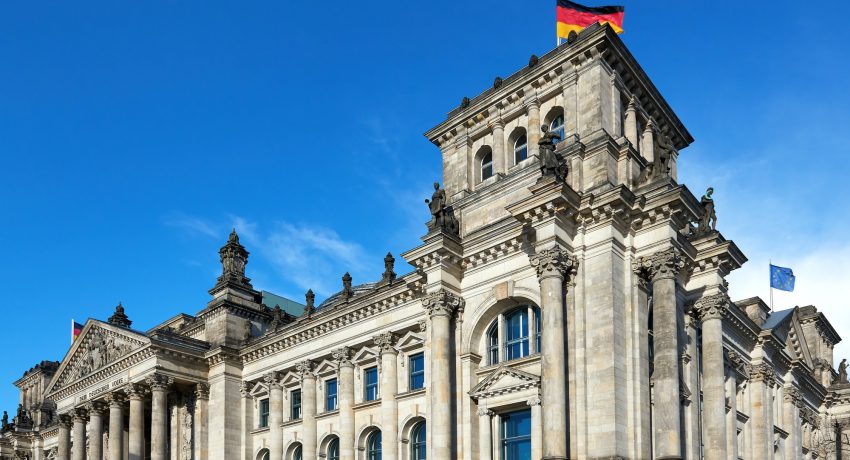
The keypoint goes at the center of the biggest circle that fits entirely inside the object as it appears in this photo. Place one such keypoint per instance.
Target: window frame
(333, 449)
(519, 346)
(413, 374)
(504, 441)
(486, 165)
(295, 412)
(331, 398)
(367, 386)
(498, 348)
(374, 445)
(521, 149)
(419, 446)
(264, 410)
(560, 129)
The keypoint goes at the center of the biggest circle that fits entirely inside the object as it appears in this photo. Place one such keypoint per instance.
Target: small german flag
(76, 330)
(573, 17)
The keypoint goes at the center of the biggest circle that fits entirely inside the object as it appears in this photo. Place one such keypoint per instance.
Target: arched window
(417, 442)
(557, 125)
(513, 336)
(373, 446)
(487, 166)
(333, 449)
(520, 149)
(263, 455)
(296, 455)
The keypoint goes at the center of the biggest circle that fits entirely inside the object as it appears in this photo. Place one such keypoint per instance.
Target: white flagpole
(770, 280)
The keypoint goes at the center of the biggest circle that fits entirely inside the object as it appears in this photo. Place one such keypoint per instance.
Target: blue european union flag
(781, 278)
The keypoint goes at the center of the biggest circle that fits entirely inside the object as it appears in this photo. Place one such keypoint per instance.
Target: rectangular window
(330, 395)
(516, 435)
(264, 413)
(295, 399)
(370, 384)
(417, 371)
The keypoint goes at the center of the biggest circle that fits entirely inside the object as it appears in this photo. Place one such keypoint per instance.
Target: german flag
(573, 17)
(76, 330)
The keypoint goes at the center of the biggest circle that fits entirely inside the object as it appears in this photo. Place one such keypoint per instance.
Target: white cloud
(823, 280)
(193, 225)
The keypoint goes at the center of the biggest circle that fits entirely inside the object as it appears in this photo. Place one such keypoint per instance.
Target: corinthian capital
(385, 342)
(554, 262)
(342, 356)
(665, 264)
(272, 379)
(159, 382)
(763, 373)
(713, 306)
(305, 369)
(442, 303)
(793, 396)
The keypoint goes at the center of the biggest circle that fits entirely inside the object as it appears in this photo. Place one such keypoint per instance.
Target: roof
(777, 318)
(290, 306)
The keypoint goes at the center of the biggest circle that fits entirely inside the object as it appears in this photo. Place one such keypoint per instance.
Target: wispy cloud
(193, 225)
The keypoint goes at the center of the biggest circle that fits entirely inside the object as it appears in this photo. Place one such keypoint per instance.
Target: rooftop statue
(842, 372)
(442, 216)
(550, 162)
(709, 217)
(665, 150)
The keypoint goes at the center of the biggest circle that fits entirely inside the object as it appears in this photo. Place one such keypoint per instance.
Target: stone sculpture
(442, 216)
(389, 274)
(551, 164)
(5, 422)
(709, 217)
(842, 372)
(665, 150)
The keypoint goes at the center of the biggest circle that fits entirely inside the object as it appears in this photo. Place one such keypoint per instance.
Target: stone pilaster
(78, 443)
(345, 395)
(201, 421)
(500, 162)
(792, 402)
(662, 269)
(485, 434)
(275, 415)
(64, 442)
(308, 408)
(536, 427)
(96, 412)
(159, 407)
(116, 425)
(389, 388)
(734, 363)
(248, 424)
(631, 127)
(711, 310)
(553, 266)
(761, 378)
(441, 306)
(532, 107)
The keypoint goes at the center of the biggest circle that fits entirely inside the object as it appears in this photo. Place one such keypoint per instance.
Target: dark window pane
(295, 399)
(264, 413)
(330, 395)
(417, 371)
(370, 379)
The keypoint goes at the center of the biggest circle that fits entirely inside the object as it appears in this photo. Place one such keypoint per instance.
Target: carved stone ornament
(305, 369)
(713, 306)
(136, 391)
(65, 420)
(342, 356)
(666, 264)
(159, 382)
(272, 379)
(484, 412)
(385, 342)
(185, 433)
(96, 408)
(280, 318)
(535, 401)
(233, 257)
(100, 348)
(442, 215)
(116, 399)
(119, 318)
(793, 396)
(202, 391)
(310, 307)
(551, 163)
(79, 414)
(763, 373)
(347, 291)
(442, 303)
(554, 262)
(389, 274)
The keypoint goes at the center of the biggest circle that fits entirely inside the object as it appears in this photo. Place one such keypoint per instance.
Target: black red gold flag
(573, 17)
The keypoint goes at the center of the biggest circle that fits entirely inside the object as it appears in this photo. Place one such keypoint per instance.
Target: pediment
(410, 341)
(504, 379)
(325, 367)
(99, 345)
(365, 355)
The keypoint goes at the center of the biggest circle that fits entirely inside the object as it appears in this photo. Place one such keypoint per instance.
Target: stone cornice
(550, 201)
(716, 253)
(223, 354)
(440, 248)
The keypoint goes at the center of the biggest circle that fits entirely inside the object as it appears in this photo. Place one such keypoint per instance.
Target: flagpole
(770, 281)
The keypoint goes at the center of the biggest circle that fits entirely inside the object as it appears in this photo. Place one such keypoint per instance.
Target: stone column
(275, 415)
(500, 159)
(136, 394)
(116, 426)
(345, 395)
(485, 434)
(441, 306)
(647, 142)
(78, 446)
(553, 266)
(96, 410)
(308, 408)
(536, 427)
(201, 422)
(711, 310)
(631, 127)
(762, 431)
(159, 420)
(64, 447)
(734, 363)
(793, 400)
(532, 106)
(663, 268)
(389, 388)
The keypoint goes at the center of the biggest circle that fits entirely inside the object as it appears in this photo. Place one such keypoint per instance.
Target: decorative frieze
(554, 262)
(713, 306)
(442, 303)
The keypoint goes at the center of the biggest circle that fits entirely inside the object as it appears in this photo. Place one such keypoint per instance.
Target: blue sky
(134, 135)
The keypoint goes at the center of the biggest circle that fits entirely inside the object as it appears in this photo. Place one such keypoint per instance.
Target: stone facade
(580, 316)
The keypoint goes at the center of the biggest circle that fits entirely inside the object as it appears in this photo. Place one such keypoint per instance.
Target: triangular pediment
(410, 341)
(504, 379)
(365, 355)
(325, 367)
(98, 346)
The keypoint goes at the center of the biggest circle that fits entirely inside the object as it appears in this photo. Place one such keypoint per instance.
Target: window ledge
(260, 430)
(367, 404)
(330, 413)
(513, 363)
(291, 422)
(410, 394)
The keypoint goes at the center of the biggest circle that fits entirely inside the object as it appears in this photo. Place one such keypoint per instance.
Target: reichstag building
(568, 301)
